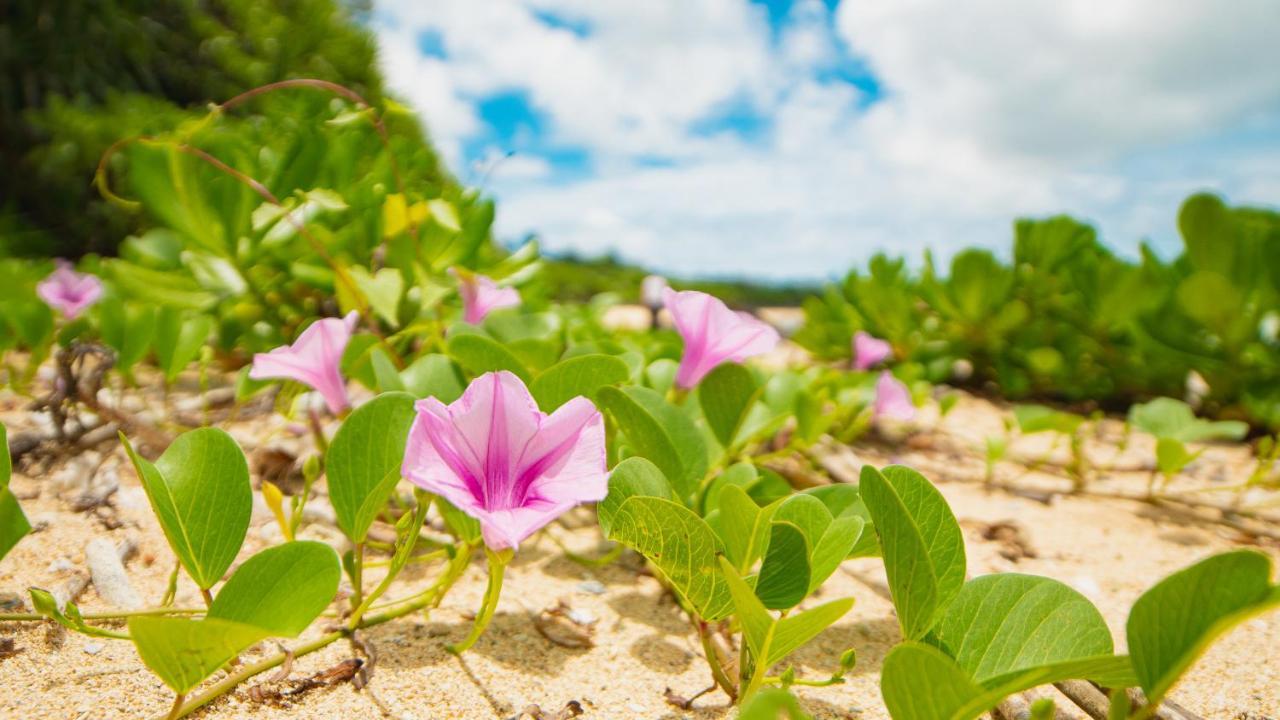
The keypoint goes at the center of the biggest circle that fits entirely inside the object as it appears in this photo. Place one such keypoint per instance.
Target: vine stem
(431, 596)
(713, 659)
(498, 561)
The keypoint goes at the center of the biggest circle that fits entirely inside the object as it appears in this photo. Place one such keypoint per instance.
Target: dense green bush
(1068, 320)
(152, 65)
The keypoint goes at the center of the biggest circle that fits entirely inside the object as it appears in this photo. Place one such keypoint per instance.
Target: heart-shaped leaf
(726, 395)
(434, 376)
(1167, 418)
(363, 463)
(631, 477)
(921, 541)
(479, 354)
(13, 523)
(660, 432)
(199, 489)
(681, 545)
(582, 375)
(1008, 623)
(1173, 623)
(382, 290)
(784, 575)
(277, 592)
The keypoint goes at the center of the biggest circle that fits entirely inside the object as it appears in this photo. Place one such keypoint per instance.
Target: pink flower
(496, 457)
(312, 360)
(869, 351)
(893, 400)
(68, 291)
(713, 334)
(481, 295)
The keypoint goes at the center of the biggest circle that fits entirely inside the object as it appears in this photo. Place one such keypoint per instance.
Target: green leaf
(842, 499)
(836, 544)
(1167, 418)
(769, 704)
(183, 652)
(363, 463)
(1009, 622)
(1173, 623)
(478, 354)
(919, 682)
(582, 375)
(794, 631)
(385, 376)
(276, 593)
(1172, 456)
(784, 575)
(921, 541)
(726, 395)
(634, 476)
(660, 432)
(199, 489)
(744, 526)
(13, 523)
(128, 329)
(681, 545)
(434, 376)
(281, 589)
(383, 290)
(772, 639)
(743, 474)
(178, 339)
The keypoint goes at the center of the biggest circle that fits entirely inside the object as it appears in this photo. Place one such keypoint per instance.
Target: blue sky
(792, 139)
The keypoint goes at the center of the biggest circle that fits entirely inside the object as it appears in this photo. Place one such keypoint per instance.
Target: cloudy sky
(792, 139)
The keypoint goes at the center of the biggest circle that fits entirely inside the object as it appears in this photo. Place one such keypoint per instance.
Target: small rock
(93, 648)
(594, 587)
(581, 617)
(60, 565)
(107, 570)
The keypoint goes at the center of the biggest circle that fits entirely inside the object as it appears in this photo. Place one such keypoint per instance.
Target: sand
(1109, 549)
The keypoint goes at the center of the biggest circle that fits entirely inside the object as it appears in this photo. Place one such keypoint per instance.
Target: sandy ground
(1110, 549)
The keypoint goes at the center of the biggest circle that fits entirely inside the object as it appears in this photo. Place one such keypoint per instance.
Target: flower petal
(566, 461)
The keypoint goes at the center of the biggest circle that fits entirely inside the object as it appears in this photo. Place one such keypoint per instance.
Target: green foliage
(364, 460)
(1068, 320)
(1173, 419)
(659, 431)
(726, 395)
(1174, 622)
(922, 545)
(202, 470)
(13, 523)
(277, 592)
(581, 375)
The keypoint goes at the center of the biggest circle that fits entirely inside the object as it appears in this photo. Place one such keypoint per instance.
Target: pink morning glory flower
(869, 351)
(312, 360)
(481, 295)
(713, 334)
(893, 400)
(496, 457)
(68, 291)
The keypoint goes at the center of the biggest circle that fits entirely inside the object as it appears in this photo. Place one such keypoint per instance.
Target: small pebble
(60, 565)
(93, 648)
(582, 617)
(595, 587)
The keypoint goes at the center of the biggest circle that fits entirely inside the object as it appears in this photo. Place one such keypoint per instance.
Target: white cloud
(1111, 111)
